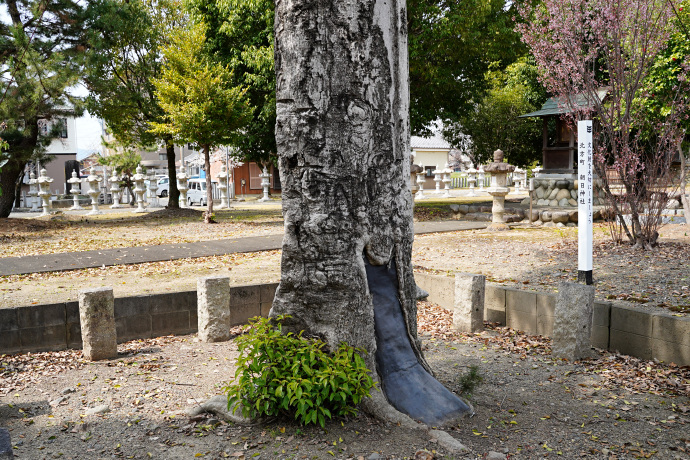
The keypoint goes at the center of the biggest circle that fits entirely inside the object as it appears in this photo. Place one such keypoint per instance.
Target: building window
(162, 156)
(254, 179)
(62, 125)
(430, 171)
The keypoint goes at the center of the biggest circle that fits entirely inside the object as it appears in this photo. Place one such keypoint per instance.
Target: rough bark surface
(342, 134)
(173, 192)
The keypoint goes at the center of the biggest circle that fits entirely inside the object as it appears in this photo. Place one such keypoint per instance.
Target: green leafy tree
(126, 38)
(452, 43)
(201, 103)
(239, 34)
(124, 163)
(493, 122)
(667, 88)
(40, 48)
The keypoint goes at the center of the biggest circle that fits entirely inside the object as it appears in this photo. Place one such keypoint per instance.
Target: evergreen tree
(40, 48)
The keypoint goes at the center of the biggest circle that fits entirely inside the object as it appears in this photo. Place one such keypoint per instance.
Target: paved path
(122, 256)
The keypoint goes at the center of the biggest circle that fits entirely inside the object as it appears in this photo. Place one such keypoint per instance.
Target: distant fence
(463, 181)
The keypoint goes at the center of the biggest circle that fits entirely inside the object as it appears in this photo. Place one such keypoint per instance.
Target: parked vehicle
(163, 186)
(197, 192)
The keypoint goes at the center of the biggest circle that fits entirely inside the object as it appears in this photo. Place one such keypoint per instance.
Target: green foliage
(493, 122)
(470, 380)
(40, 51)
(290, 374)
(451, 46)
(239, 34)
(200, 101)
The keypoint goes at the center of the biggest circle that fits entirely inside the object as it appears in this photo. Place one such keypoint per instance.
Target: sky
(88, 135)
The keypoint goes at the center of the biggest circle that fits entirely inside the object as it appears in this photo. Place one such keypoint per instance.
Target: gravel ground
(528, 406)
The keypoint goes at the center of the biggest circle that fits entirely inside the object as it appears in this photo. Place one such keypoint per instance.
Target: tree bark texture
(173, 192)
(342, 135)
(9, 175)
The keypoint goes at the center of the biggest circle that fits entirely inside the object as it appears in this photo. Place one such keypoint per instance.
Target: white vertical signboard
(585, 183)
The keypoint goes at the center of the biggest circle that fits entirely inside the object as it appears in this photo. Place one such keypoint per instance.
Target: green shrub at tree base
(288, 374)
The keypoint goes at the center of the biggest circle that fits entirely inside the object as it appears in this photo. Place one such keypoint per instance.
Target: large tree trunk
(173, 192)
(10, 173)
(343, 142)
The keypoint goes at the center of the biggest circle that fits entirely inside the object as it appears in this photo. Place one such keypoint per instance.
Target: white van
(196, 192)
(163, 187)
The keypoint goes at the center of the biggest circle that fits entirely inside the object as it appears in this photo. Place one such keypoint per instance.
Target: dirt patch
(529, 406)
(147, 278)
(540, 258)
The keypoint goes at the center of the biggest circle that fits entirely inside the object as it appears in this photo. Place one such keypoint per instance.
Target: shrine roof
(558, 106)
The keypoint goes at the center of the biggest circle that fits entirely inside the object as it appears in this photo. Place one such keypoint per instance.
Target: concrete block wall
(629, 330)
(56, 326)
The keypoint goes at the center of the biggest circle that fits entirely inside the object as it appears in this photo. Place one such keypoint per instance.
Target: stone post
(572, 324)
(213, 311)
(482, 177)
(6, 452)
(468, 308)
(97, 318)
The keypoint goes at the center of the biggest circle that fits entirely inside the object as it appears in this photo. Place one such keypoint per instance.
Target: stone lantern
(420, 183)
(115, 190)
(140, 189)
(75, 191)
(33, 191)
(471, 180)
(438, 179)
(182, 179)
(518, 180)
(44, 191)
(153, 189)
(265, 184)
(482, 175)
(223, 187)
(499, 174)
(94, 191)
(446, 180)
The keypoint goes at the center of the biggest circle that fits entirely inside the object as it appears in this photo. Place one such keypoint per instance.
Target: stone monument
(44, 191)
(223, 187)
(33, 192)
(140, 189)
(499, 174)
(115, 190)
(182, 179)
(265, 183)
(94, 190)
(97, 319)
(75, 191)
